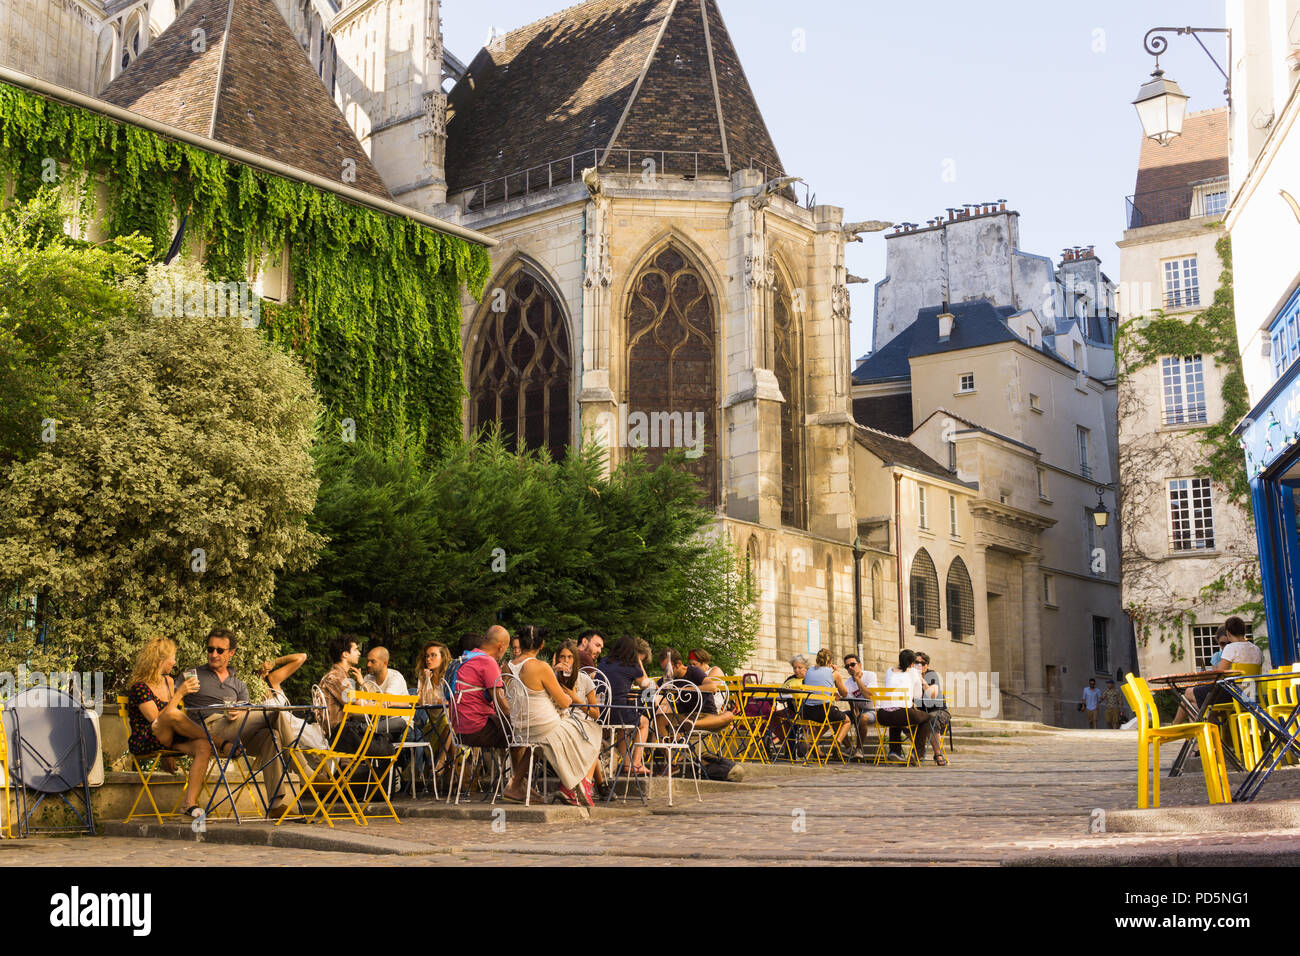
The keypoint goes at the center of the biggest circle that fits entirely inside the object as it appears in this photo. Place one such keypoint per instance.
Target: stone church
(660, 277)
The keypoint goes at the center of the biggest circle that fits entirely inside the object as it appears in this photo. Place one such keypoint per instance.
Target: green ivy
(375, 312)
(1143, 341)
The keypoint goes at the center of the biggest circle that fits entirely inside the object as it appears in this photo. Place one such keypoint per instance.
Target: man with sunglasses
(219, 686)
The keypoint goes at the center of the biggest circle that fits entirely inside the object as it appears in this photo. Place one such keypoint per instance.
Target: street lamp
(1161, 103)
(1100, 516)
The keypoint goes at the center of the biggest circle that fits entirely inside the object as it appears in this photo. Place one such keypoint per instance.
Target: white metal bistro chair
(676, 704)
(466, 756)
(514, 726)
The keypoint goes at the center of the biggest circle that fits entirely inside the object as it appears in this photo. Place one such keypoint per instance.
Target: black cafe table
(242, 712)
(1283, 736)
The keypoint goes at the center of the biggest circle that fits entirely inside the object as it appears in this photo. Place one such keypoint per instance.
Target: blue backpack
(453, 672)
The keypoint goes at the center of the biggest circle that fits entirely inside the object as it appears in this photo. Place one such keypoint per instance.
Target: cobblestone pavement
(998, 799)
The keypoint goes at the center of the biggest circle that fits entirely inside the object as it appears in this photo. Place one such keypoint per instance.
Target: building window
(1182, 287)
(787, 366)
(1085, 468)
(1191, 515)
(924, 591)
(1042, 483)
(961, 602)
(922, 510)
(1034, 405)
(1284, 336)
(967, 382)
(1078, 357)
(1216, 203)
(1101, 645)
(1090, 534)
(953, 529)
(877, 591)
(1049, 589)
(1183, 390)
(521, 373)
(672, 356)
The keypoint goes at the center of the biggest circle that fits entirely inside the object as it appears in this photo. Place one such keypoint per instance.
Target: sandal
(940, 761)
(194, 811)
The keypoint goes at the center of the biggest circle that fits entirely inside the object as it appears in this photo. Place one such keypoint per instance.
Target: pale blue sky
(1030, 102)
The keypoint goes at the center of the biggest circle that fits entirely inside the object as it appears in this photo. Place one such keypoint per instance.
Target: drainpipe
(898, 549)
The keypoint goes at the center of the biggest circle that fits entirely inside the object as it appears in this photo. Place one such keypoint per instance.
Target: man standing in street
(1091, 697)
(1113, 704)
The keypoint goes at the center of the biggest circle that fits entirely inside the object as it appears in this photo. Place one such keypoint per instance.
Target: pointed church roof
(643, 75)
(251, 86)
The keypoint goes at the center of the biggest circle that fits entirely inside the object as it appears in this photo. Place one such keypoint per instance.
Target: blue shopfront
(1270, 436)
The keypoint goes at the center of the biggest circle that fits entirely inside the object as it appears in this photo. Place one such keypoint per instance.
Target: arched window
(751, 558)
(830, 601)
(924, 588)
(787, 366)
(671, 363)
(961, 602)
(521, 372)
(877, 591)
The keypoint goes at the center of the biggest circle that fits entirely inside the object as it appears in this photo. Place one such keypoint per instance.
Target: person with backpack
(475, 682)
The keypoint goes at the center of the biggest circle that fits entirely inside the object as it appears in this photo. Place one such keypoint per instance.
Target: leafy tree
(421, 551)
(53, 290)
(170, 498)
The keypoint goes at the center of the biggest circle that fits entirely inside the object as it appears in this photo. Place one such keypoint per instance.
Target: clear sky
(895, 110)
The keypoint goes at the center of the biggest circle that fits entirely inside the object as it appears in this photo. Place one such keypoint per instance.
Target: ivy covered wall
(375, 310)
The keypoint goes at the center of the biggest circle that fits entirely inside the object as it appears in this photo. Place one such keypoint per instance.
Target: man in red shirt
(477, 682)
(590, 644)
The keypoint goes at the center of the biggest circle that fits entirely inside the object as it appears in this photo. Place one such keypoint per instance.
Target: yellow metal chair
(1280, 702)
(145, 767)
(325, 773)
(1230, 712)
(393, 706)
(742, 739)
(890, 697)
(6, 811)
(823, 698)
(1151, 735)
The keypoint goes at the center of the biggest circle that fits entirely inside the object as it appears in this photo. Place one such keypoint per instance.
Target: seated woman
(623, 668)
(822, 674)
(575, 682)
(934, 704)
(431, 668)
(157, 721)
(544, 718)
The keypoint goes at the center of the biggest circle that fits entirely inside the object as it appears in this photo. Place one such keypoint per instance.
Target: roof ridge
(221, 68)
(906, 438)
(713, 78)
(640, 79)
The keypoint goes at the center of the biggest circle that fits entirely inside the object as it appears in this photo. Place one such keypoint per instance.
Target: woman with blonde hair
(157, 721)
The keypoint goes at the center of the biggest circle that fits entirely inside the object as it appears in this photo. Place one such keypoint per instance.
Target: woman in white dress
(571, 743)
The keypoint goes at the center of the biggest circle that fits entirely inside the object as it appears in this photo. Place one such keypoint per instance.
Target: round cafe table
(1179, 683)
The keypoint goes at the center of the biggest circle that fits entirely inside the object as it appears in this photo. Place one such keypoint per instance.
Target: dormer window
(946, 321)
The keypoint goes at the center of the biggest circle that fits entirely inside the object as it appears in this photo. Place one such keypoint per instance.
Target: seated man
(382, 679)
(1238, 650)
(474, 717)
(218, 685)
(590, 644)
(858, 683)
(340, 681)
(709, 720)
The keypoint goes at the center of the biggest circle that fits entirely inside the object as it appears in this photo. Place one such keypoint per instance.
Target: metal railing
(1193, 414)
(648, 163)
(1176, 204)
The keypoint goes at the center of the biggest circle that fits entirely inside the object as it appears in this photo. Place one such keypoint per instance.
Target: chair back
(322, 711)
(603, 694)
(682, 700)
(1143, 702)
(123, 713)
(886, 698)
(373, 706)
(514, 725)
(453, 715)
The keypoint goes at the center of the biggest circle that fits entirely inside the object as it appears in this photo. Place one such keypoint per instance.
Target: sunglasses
(218, 650)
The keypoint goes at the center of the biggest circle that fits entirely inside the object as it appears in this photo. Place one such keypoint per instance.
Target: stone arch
(877, 591)
(961, 601)
(672, 360)
(923, 586)
(134, 39)
(787, 366)
(520, 361)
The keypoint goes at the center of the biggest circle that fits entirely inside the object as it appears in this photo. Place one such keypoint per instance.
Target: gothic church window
(787, 366)
(521, 373)
(671, 363)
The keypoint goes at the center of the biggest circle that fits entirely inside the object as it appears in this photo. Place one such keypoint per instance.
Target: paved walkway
(1014, 799)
